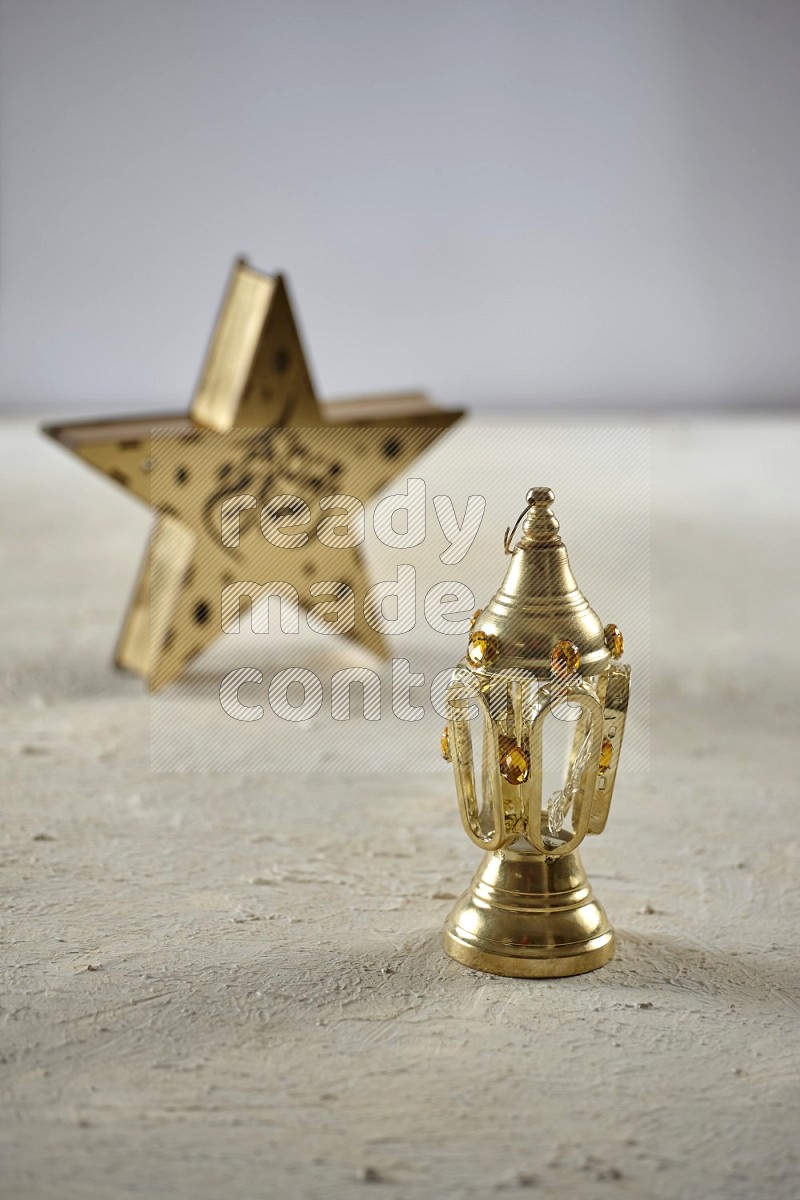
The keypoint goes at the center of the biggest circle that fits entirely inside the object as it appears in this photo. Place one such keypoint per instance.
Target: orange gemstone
(565, 658)
(606, 751)
(483, 648)
(445, 744)
(615, 642)
(514, 762)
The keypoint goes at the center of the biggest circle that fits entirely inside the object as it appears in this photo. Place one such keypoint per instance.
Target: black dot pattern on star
(281, 361)
(286, 510)
(201, 612)
(392, 448)
(182, 475)
(120, 476)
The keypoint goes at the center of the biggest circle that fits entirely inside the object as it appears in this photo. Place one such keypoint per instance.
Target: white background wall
(509, 201)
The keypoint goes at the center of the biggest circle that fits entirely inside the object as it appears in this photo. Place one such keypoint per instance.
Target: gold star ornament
(244, 487)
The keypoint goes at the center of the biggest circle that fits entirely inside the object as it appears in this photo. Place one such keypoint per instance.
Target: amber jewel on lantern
(483, 648)
(514, 764)
(606, 751)
(615, 642)
(445, 745)
(565, 658)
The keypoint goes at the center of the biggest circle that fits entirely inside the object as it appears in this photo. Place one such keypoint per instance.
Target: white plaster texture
(232, 986)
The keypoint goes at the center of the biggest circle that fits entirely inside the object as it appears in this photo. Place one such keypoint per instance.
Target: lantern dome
(538, 620)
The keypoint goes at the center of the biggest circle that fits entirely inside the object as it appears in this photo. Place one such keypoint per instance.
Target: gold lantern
(539, 661)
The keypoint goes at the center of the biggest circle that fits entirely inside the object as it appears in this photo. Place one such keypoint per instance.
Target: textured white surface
(216, 985)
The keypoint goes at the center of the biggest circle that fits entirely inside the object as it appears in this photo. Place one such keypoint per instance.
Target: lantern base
(529, 917)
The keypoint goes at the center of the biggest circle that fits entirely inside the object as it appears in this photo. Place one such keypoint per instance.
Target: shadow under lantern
(539, 660)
